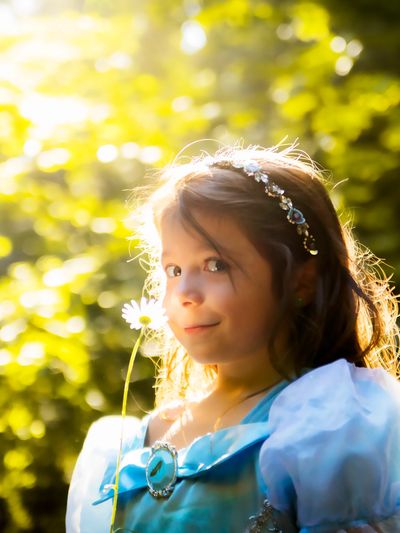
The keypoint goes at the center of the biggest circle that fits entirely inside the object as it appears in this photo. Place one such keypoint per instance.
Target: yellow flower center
(145, 320)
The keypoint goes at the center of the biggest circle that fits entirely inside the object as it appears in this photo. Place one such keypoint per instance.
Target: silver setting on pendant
(161, 469)
(264, 521)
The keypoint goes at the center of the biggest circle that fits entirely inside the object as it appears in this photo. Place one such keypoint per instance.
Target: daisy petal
(149, 313)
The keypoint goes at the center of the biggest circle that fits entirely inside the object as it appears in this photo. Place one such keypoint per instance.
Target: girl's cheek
(162, 279)
(166, 303)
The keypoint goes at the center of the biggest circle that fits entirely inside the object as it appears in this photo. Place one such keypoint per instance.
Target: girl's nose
(189, 291)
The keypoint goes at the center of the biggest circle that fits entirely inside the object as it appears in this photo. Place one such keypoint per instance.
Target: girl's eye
(172, 271)
(216, 265)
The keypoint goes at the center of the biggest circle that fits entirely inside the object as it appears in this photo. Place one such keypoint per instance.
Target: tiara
(293, 215)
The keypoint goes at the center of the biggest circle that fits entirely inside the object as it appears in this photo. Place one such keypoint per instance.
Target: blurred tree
(92, 94)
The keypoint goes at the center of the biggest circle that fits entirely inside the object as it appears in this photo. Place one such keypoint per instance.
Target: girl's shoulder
(333, 454)
(97, 461)
(339, 390)
(105, 432)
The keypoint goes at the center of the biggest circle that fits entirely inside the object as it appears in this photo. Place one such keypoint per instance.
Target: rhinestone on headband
(293, 215)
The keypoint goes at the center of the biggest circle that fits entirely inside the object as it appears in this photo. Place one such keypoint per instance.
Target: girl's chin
(204, 358)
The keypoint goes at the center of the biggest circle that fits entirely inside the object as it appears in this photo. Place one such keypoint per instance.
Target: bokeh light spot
(107, 153)
(37, 429)
(17, 459)
(284, 32)
(181, 103)
(107, 299)
(5, 246)
(76, 324)
(32, 147)
(95, 399)
(338, 44)
(343, 65)
(5, 357)
(129, 150)
(10, 332)
(150, 154)
(31, 353)
(193, 37)
(103, 225)
(354, 48)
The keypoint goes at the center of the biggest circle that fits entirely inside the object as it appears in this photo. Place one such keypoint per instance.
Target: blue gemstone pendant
(161, 469)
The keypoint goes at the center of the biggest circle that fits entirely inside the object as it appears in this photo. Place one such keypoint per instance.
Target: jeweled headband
(293, 215)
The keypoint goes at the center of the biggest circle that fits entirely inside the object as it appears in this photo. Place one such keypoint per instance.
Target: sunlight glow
(57, 277)
(5, 357)
(103, 225)
(193, 37)
(7, 307)
(107, 153)
(49, 112)
(10, 332)
(150, 154)
(181, 103)
(8, 22)
(32, 147)
(129, 150)
(57, 157)
(31, 353)
(31, 299)
(76, 324)
(9, 170)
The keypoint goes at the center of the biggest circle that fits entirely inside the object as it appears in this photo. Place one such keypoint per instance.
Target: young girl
(277, 403)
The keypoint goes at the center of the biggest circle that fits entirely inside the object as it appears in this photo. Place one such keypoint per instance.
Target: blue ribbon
(203, 454)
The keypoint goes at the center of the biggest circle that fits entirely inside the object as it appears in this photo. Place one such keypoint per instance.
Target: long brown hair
(352, 312)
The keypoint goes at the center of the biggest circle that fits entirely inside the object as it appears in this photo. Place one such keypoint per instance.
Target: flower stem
(123, 415)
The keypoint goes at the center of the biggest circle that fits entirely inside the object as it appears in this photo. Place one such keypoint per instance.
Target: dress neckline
(258, 413)
(202, 454)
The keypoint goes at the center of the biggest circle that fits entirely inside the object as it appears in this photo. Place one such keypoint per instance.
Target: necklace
(162, 465)
(241, 400)
(185, 416)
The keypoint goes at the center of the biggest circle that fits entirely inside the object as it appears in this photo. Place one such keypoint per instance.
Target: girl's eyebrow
(203, 247)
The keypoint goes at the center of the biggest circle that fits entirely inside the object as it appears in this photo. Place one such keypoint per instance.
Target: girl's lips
(198, 329)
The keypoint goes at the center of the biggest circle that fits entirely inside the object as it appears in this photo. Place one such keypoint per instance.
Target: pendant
(161, 469)
(265, 521)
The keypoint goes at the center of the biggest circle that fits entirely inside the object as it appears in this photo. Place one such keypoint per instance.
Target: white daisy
(148, 313)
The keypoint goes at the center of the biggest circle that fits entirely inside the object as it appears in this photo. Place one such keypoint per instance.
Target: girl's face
(219, 308)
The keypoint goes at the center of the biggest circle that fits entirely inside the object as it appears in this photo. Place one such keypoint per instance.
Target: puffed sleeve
(332, 460)
(98, 456)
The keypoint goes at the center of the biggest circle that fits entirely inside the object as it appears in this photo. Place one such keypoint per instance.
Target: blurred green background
(95, 93)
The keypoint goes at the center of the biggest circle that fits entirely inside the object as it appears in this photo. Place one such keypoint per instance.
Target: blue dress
(323, 450)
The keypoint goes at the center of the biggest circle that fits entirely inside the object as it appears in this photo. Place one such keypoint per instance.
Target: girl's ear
(305, 281)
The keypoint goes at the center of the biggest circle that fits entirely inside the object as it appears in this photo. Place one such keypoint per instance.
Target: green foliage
(90, 98)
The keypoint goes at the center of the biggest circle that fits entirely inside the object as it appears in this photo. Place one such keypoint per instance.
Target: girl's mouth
(199, 328)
